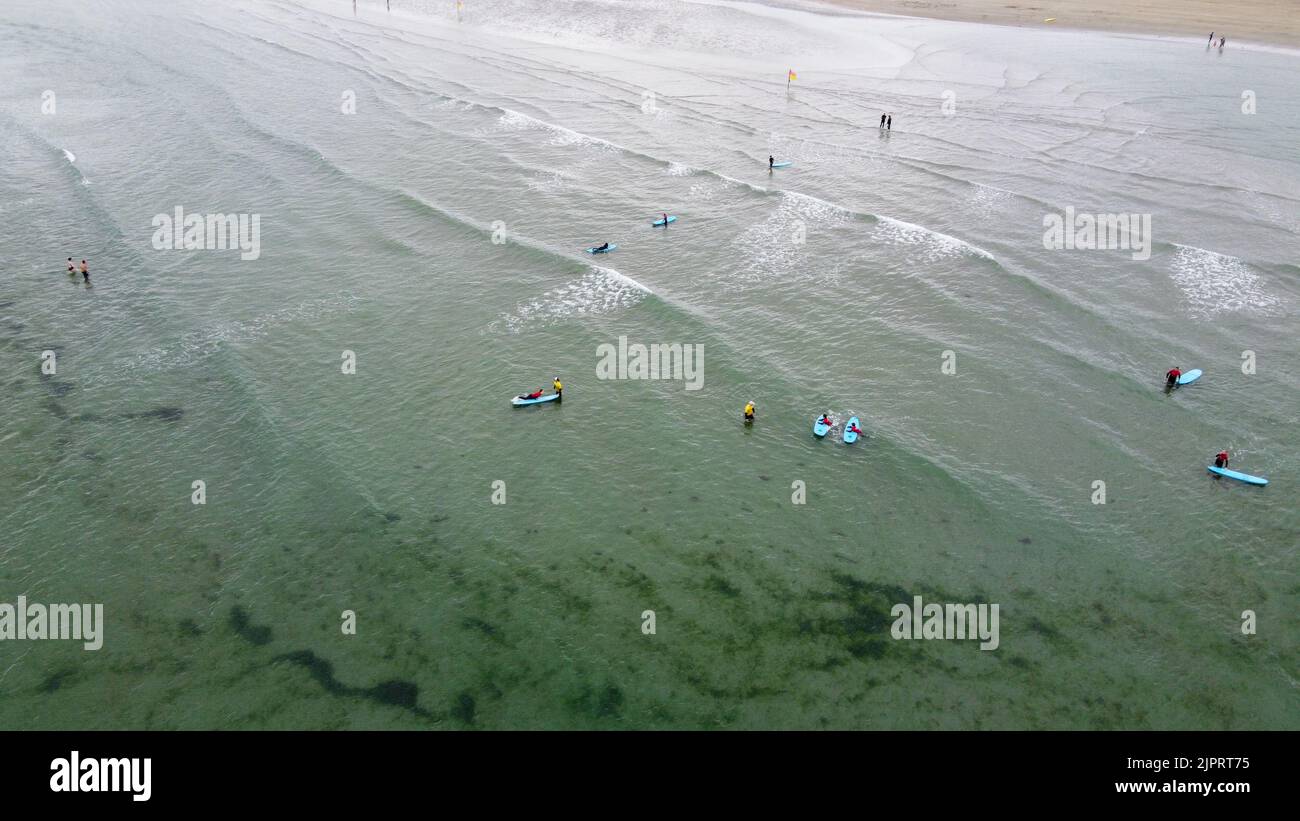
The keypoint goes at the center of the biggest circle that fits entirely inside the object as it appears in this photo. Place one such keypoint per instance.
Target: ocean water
(385, 152)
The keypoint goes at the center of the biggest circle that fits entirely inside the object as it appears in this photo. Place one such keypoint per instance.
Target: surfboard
(783, 164)
(1190, 377)
(820, 429)
(520, 402)
(849, 436)
(1240, 477)
(661, 223)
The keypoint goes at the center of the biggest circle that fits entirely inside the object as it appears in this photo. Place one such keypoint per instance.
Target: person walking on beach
(882, 121)
(889, 124)
(85, 271)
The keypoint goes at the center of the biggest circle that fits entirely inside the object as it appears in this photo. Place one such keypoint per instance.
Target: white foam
(559, 135)
(599, 291)
(774, 248)
(1216, 283)
(934, 244)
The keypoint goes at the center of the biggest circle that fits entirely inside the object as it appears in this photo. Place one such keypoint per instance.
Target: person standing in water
(1221, 459)
(1171, 377)
(72, 269)
(770, 162)
(889, 123)
(882, 121)
(749, 411)
(85, 271)
(1211, 37)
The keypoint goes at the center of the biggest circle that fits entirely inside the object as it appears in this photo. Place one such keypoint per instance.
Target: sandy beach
(1276, 22)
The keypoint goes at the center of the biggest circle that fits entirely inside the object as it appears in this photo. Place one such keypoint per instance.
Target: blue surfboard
(819, 428)
(1190, 377)
(593, 250)
(660, 223)
(520, 402)
(849, 436)
(784, 164)
(1240, 477)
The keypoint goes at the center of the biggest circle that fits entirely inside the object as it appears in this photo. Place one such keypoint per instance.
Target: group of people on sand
(85, 270)
(1211, 42)
(1171, 382)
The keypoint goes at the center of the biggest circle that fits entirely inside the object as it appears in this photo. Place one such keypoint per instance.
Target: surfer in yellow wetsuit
(559, 388)
(749, 411)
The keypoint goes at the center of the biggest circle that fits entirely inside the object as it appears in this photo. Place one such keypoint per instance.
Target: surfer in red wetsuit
(1171, 377)
(854, 428)
(1221, 459)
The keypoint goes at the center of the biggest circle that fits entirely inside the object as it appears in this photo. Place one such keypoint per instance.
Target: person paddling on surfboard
(855, 429)
(1171, 377)
(749, 411)
(1221, 459)
(604, 247)
(827, 420)
(559, 387)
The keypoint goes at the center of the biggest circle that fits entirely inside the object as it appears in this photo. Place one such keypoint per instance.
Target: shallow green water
(372, 491)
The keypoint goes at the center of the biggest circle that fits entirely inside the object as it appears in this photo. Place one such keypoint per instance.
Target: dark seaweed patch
(486, 628)
(465, 708)
(246, 630)
(55, 681)
(163, 414)
(720, 585)
(392, 693)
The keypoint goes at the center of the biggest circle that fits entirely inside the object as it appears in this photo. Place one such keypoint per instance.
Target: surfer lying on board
(855, 429)
(826, 420)
(749, 411)
(1171, 377)
(1221, 459)
(604, 247)
(534, 395)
